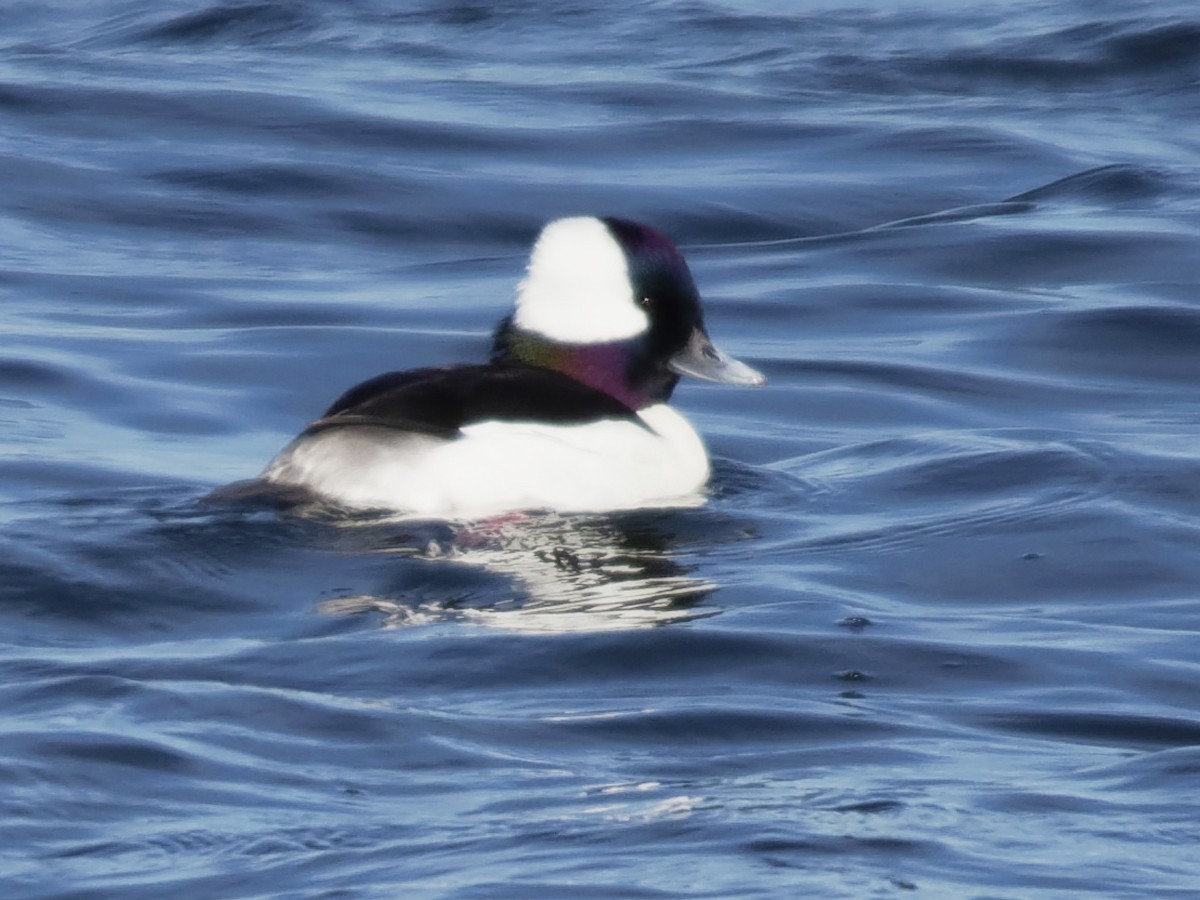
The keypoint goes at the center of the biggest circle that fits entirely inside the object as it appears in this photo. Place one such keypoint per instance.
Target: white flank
(503, 466)
(577, 288)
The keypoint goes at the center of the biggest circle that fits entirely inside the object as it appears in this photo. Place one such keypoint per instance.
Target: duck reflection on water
(561, 573)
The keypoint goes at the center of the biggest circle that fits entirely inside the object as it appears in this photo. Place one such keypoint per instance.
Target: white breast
(503, 466)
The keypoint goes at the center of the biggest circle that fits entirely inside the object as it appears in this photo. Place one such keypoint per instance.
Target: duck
(570, 414)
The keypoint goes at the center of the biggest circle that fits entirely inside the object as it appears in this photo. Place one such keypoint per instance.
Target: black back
(441, 401)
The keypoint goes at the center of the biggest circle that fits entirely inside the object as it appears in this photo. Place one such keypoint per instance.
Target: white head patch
(577, 288)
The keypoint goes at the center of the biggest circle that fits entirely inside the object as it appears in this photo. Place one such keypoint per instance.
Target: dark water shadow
(142, 564)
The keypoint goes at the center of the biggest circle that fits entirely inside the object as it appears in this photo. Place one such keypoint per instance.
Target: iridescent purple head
(613, 304)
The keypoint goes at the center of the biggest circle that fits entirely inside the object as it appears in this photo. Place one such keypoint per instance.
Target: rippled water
(936, 631)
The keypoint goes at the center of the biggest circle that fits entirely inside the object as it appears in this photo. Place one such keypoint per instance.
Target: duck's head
(612, 303)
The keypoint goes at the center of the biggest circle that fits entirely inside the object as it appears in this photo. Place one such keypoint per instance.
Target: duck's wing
(442, 401)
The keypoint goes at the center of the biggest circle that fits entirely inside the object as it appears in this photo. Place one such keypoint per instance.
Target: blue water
(936, 631)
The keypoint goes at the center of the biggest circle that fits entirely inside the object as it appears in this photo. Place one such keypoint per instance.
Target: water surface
(933, 634)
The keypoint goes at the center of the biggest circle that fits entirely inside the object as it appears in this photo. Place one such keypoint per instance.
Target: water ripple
(935, 625)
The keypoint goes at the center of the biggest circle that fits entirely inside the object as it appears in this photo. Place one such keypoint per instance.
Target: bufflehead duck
(571, 413)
